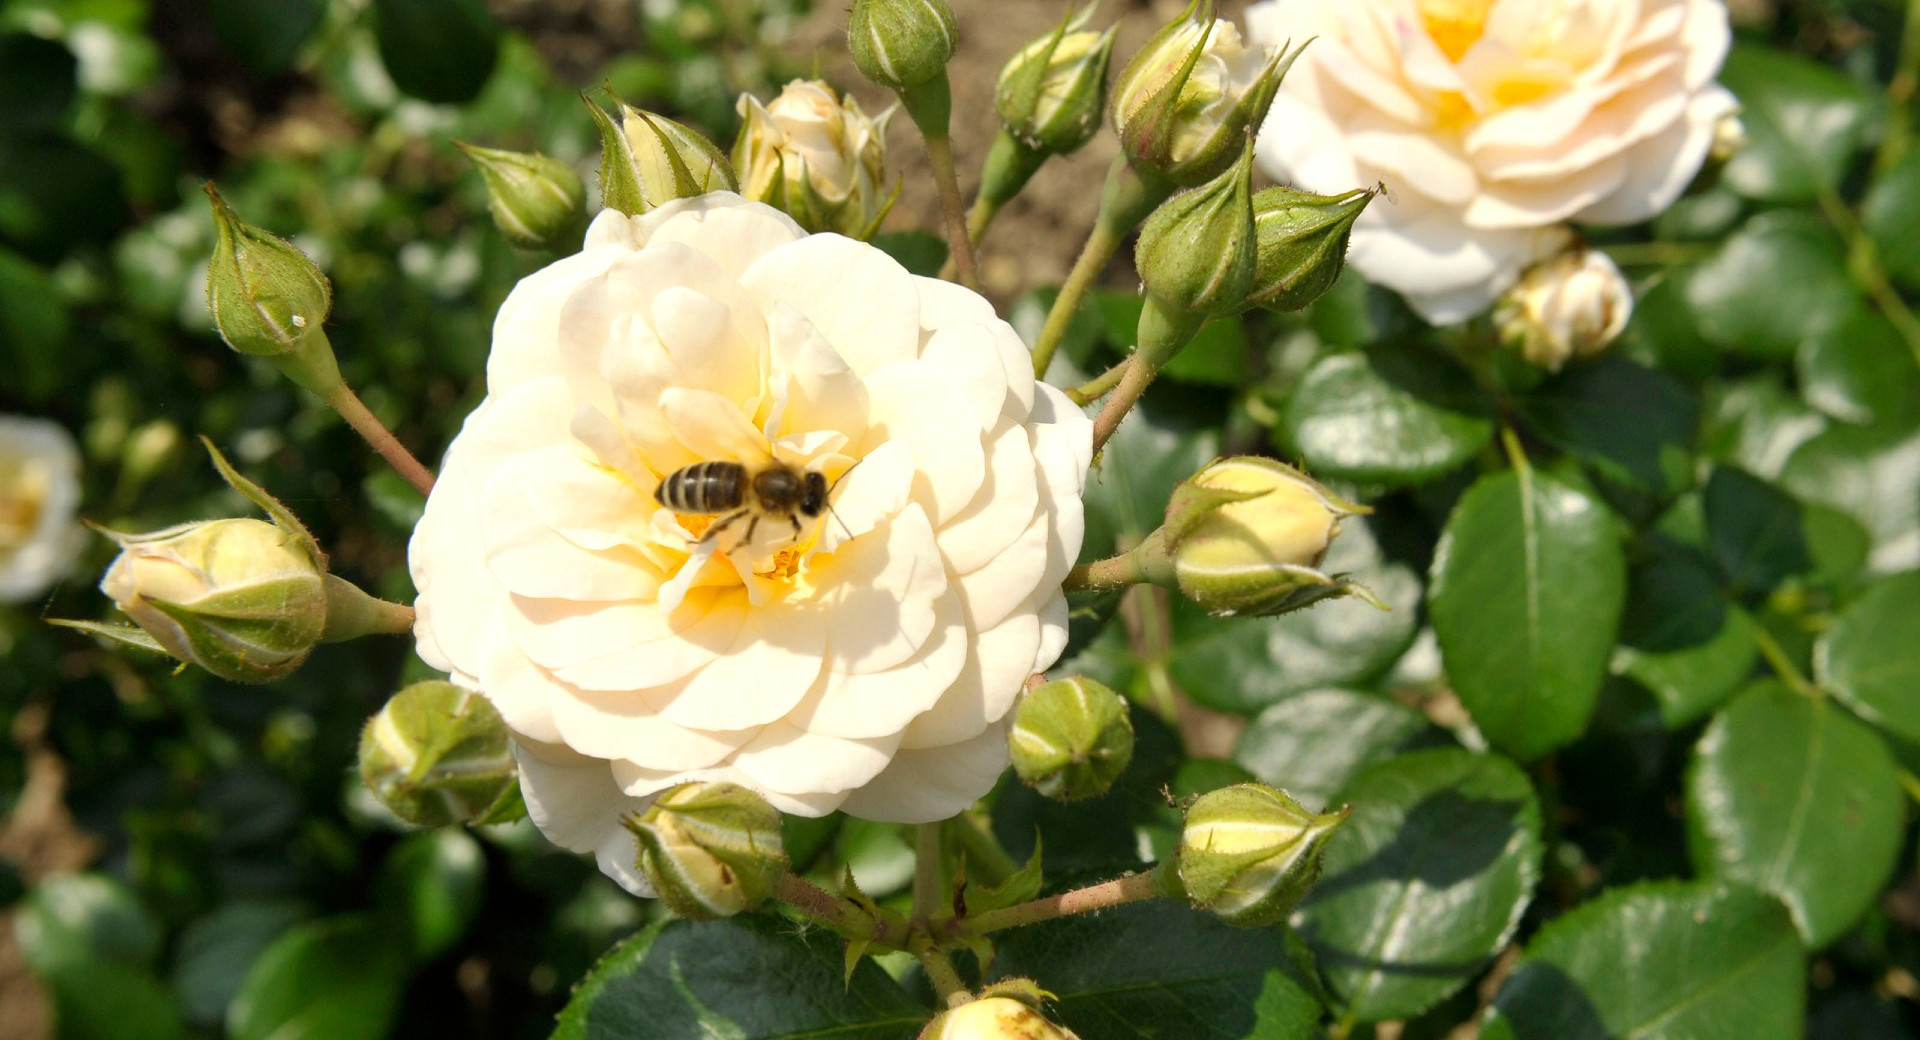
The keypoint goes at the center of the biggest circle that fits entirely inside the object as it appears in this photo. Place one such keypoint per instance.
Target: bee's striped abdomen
(704, 487)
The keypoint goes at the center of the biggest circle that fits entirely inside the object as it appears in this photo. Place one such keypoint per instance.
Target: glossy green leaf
(1662, 961)
(1312, 743)
(1890, 212)
(84, 917)
(1244, 665)
(1804, 122)
(1157, 970)
(1794, 797)
(1861, 371)
(340, 978)
(1680, 637)
(1757, 424)
(1871, 474)
(1632, 424)
(37, 82)
(437, 50)
(1870, 658)
(744, 978)
(430, 884)
(1664, 333)
(1394, 415)
(265, 37)
(1754, 530)
(1777, 282)
(1528, 583)
(216, 951)
(1425, 882)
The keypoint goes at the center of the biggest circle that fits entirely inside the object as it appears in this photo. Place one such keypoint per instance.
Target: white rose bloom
(1493, 123)
(39, 491)
(868, 664)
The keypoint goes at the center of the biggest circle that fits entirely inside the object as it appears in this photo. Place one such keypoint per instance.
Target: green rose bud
(1248, 853)
(1071, 739)
(438, 755)
(710, 849)
(537, 202)
(268, 300)
(902, 44)
(817, 157)
(1051, 94)
(1301, 242)
(648, 160)
(994, 1018)
(1196, 253)
(1573, 304)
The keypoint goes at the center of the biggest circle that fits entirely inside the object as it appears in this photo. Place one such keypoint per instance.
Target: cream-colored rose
(39, 491)
(1493, 123)
(867, 664)
(816, 156)
(1222, 76)
(1569, 305)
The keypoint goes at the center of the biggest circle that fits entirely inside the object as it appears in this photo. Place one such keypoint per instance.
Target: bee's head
(813, 495)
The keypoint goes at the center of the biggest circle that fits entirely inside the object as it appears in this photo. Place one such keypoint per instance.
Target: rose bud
(710, 849)
(268, 300)
(994, 1018)
(437, 755)
(816, 156)
(536, 202)
(1071, 739)
(1248, 853)
(902, 44)
(1196, 252)
(1051, 94)
(1188, 100)
(1301, 242)
(648, 160)
(1572, 304)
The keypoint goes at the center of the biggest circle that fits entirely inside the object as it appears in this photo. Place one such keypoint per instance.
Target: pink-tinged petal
(878, 594)
(526, 332)
(927, 784)
(916, 404)
(874, 704)
(627, 725)
(987, 686)
(1001, 510)
(876, 324)
(774, 660)
(822, 391)
(578, 806)
(791, 760)
(728, 229)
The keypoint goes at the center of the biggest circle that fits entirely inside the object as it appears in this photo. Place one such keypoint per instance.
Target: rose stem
(1093, 389)
(1128, 888)
(942, 974)
(342, 399)
(1114, 572)
(1133, 383)
(837, 913)
(926, 870)
(959, 243)
(1124, 203)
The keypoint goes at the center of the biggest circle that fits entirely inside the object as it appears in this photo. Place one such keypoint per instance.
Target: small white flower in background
(1570, 305)
(817, 156)
(39, 492)
(1493, 123)
(868, 663)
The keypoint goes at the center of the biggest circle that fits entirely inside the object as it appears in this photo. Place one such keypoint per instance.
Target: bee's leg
(752, 526)
(797, 529)
(713, 530)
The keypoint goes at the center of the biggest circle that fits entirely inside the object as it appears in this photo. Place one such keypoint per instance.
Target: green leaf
(1312, 743)
(340, 978)
(1777, 282)
(74, 918)
(1216, 356)
(1395, 415)
(431, 885)
(37, 82)
(33, 324)
(921, 252)
(1663, 961)
(1425, 882)
(1633, 425)
(1754, 530)
(1162, 442)
(1889, 214)
(1871, 474)
(744, 978)
(1528, 583)
(437, 50)
(56, 195)
(1869, 659)
(1244, 665)
(108, 1000)
(1860, 372)
(1757, 424)
(1792, 796)
(1804, 122)
(1679, 636)
(1157, 970)
(216, 951)
(265, 37)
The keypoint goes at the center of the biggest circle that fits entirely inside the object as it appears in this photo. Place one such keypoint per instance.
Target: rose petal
(874, 704)
(576, 804)
(921, 785)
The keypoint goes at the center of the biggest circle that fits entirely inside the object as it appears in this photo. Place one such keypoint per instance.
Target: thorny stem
(959, 238)
(1124, 203)
(942, 974)
(1114, 572)
(1128, 888)
(1133, 384)
(839, 913)
(1097, 387)
(978, 218)
(342, 399)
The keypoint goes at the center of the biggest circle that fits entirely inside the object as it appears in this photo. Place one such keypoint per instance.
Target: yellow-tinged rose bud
(1188, 100)
(268, 300)
(438, 755)
(1050, 95)
(1301, 241)
(1071, 739)
(1248, 853)
(816, 156)
(242, 598)
(902, 44)
(994, 1018)
(1196, 252)
(1570, 305)
(648, 160)
(710, 849)
(537, 202)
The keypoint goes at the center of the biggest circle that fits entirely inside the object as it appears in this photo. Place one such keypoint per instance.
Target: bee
(733, 491)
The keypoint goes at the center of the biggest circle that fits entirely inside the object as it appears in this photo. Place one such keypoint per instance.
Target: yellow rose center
(1455, 25)
(23, 492)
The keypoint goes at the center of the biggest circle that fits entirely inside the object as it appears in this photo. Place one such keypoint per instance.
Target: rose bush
(1493, 123)
(868, 664)
(39, 491)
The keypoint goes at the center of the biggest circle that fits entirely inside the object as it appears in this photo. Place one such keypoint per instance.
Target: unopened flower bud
(1196, 252)
(1301, 241)
(648, 160)
(1186, 102)
(710, 849)
(1248, 853)
(1570, 305)
(994, 1018)
(1729, 139)
(537, 202)
(1071, 739)
(268, 300)
(1246, 536)
(437, 755)
(902, 44)
(1052, 93)
(816, 156)
(242, 598)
